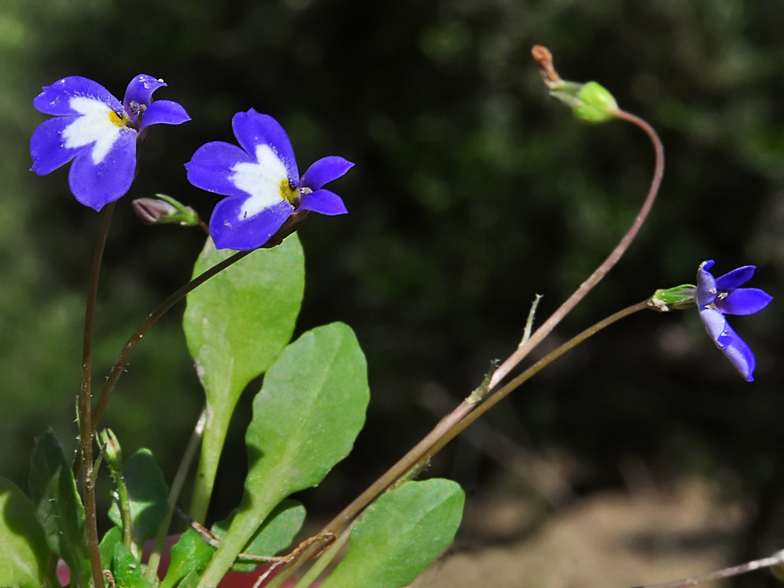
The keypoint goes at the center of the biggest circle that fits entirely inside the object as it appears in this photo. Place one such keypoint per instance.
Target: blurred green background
(473, 191)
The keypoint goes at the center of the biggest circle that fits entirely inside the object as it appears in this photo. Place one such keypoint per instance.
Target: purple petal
(55, 99)
(210, 168)
(735, 278)
(324, 202)
(706, 284)
(47, 145)
(714, 321)
(164, 112)
(743, 301)
(140, 90)
(738, 352)
(253, 129)
(230, 231)
(323, 171)
(97, 185)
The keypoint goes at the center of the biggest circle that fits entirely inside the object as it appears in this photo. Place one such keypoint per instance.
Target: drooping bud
(677, 298)
(590, 102)
(164, 210)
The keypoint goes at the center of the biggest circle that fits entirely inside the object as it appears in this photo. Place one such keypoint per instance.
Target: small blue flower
(719, 296)
(98, 132)
(261, 181)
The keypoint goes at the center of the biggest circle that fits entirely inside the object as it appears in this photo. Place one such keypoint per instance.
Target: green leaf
(275, 534)
(127, 570)
(58, 507)
(148, 495)
(190, 554)
(305, 419)
(236, 324)
(400, 535)
(112, 538)
(23, 549)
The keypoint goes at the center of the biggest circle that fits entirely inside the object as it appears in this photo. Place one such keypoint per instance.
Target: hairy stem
(86, 429)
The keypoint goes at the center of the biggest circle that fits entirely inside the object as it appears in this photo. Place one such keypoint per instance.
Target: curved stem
(152, 318)
(446, 430)
(86, 428)
(544, 330)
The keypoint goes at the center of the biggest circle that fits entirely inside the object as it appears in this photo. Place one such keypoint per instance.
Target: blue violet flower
(261, 181)
(719, 296)
(98, 132)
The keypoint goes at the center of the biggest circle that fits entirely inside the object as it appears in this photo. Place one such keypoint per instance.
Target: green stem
(124, 504)
(214, 438)
(86, 429)
(152, 318)
(174, 495)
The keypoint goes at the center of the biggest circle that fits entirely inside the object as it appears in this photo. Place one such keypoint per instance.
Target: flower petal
(715, 323)
(706, 284)
(138, 95)
(230, 230)
(253, 129)
(738, 352)
(735, 278)
(210, 168)
(324, 202)
(743, 301)
(323, 171)
(98, 126)
(95, 184)
(47, 148)
(56, 99)
(164, 112)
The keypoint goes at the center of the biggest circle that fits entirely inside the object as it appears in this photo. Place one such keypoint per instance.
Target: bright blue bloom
(261, 181)
(98, 132)
(719, 296)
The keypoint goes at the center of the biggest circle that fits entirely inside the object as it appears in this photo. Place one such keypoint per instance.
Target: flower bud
(110, 447)
(164, 209)
(677, 298)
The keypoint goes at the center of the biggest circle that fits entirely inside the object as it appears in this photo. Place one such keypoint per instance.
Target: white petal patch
(96, 125)
(262, 180)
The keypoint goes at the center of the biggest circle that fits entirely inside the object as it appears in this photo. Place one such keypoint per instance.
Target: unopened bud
(110, 447)
(677, 298)
(589, 102)
(164, 210)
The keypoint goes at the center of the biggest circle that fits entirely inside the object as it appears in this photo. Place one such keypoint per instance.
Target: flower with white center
(98, 132)
(262, 182)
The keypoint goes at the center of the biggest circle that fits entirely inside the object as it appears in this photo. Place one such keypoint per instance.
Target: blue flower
(719, 296)
(98, 132)
(261, 181)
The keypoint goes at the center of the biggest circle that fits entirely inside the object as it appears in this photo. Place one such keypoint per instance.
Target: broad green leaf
(190, 554)
(400, 535)
(23, 549)
(236, 324)
(112, 538)
(305, 419)
(58, 507)
(275, 534)
(127, 571)
(148, 494)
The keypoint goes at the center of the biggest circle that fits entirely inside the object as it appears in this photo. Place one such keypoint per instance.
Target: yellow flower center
(288, 193)
(116, 120)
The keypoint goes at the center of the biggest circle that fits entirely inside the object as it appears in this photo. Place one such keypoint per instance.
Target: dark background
(472, 192)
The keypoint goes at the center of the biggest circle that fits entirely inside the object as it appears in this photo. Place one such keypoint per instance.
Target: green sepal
(400, 535)
(590, 102)
(58, 507)
(23, 549)
(677, 298)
